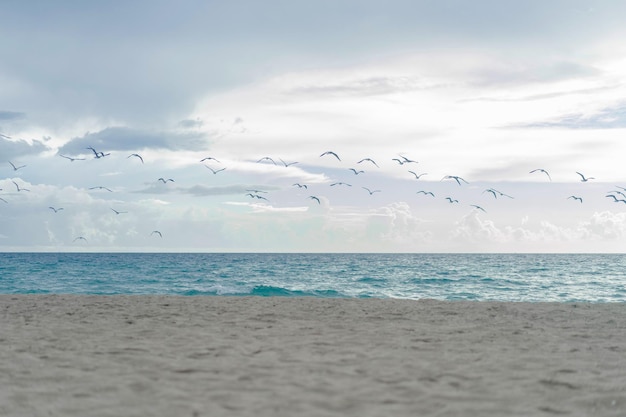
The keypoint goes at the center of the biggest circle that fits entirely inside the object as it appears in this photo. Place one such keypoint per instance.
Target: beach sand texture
(71, 355)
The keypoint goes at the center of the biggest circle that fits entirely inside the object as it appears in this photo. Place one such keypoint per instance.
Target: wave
(266, 291)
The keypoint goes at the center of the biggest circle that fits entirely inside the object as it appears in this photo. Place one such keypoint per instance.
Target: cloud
(13, 148)
(127, 138)
(607, 118)
(11, 115)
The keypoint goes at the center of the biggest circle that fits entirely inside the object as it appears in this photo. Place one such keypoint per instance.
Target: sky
(487, 91)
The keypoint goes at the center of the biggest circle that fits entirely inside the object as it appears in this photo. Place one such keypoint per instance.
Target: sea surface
(503, 277)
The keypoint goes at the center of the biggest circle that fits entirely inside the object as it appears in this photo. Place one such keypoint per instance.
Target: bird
(215, 171)
(209, 158)
(425, 193)
(583, 178)
(267, 158)
(79, 238)
(118, 212)
(300, 185)
(618, 192)
(417, 177)
(356, 172)
(15, 168)
(56, 210)
(156, 232)
(496, 193)
(19, 188)
(99, 187)
(407, 160)
(288, 164)
(135, 155)
(97, 154)
(312, 197)
(541, 170)
(575, 198)
(257, 191)
(456, 178)
(371, 191)
(400, 161)
(451, 200)
(3, 200)
(368, 160)
(165, 181)
(340, 183)
(331, 153)
(478, 207)
(71, 158)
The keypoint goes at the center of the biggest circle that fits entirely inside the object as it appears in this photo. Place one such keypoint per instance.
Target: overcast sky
(484, 90)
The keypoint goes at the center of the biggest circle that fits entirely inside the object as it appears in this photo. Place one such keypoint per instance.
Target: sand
(64, 355)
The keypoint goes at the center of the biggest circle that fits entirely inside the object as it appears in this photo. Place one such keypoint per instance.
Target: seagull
(300, 185)
(583, 178)
(209, 158)
(407, 160)
(369, 160)
(215, 171)
(260, 197)
(135, 155)
(97, 154)
(618, 192)
(71, 159)
(119, 212)
(164, 181)
(417, 177)
(371, 191)
(288, 164)
(99, 187)
(451, 200)
(496, 193)
(356, 172)
(400, 161)
(331, 153)
(16, 168)
(2, 199)
(425, 193)
(257, 191)
(541, 170)
(478, 207)
(456, 178)
(18, 187)
(340, 183)
(312, 197)
(79, 238)
(267, 158)
(56, 210)
(575, 198)
(156, 232)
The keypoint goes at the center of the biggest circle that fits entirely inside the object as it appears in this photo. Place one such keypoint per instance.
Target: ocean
(499, 277)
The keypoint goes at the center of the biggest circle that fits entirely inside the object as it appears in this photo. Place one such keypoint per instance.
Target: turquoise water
(512, 277)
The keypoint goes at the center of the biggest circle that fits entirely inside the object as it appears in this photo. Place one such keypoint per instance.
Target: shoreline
(96, 355)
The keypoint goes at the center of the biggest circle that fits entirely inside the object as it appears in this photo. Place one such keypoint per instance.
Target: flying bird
(267, 158)
(541, 170)
(209, 158)
(288, 164)
(15, 168)
(79, 238)
(97, 154)
(56, 210)
(156, 232)
(371, 191)
(99, 187)
(2, 199)
(340, 183)
(331, 153)
(300, 185)
(19, 188)
(119, 212)
(417, 177)
(257, 191)
(478, 207)
(583, 178)
(312, 197)
(215, 171)
(356, 172)
(451, 200)
(368, 160)
(407, 160)
(616, 200)
(575, 198)
(496, 193)
(136, 155)
(425, 193)
(164, 181)
(456, 178)
(71, 158)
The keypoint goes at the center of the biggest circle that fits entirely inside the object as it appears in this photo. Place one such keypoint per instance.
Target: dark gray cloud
(11, 115)
(127, 139)
(20, 147)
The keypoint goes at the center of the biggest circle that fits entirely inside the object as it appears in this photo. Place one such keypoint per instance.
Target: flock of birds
(618, 196)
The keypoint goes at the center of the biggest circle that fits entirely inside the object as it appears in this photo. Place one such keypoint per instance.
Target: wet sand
(64, 355)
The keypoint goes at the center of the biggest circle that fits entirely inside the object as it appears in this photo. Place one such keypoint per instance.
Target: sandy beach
(64, 355)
